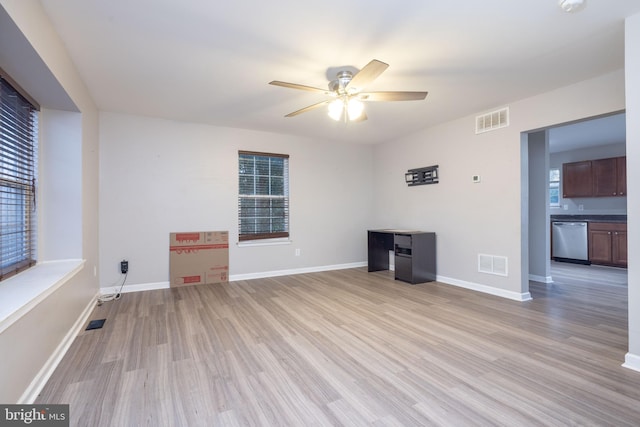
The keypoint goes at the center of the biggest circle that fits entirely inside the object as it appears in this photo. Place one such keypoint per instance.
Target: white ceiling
(210, 61)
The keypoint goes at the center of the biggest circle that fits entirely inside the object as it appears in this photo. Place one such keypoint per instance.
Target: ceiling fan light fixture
(336, 108)
(347, 93)
(354, 109)
(571, 6)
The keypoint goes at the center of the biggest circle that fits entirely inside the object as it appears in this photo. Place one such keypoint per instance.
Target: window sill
(265, 242)
(21, 293)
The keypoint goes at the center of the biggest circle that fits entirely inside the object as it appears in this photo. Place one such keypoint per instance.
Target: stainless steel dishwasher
(570, 242)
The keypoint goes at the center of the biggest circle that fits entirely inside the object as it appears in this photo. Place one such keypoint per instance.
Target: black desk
(414, 252)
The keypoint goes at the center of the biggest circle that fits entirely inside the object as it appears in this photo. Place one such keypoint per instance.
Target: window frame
(276, 202)
(18, 178)
(554, 185)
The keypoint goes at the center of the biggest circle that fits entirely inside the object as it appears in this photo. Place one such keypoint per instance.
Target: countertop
(591, 218)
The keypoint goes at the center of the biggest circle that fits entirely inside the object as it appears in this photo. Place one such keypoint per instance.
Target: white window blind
(263, 202)
(18, 160)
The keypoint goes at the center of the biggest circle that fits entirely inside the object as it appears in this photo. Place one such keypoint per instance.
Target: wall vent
(492, 264)
(493, 120)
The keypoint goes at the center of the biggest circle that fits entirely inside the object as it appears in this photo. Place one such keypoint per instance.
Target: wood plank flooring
(353, 348)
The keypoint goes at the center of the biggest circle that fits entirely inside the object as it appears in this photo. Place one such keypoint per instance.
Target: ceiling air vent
(492, 264)
(493, 120)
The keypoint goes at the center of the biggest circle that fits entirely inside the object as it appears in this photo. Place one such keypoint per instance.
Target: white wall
(632, 74)
(487, 217)
(590, 205)
(29, 345)
(160, 176)
(60, 185)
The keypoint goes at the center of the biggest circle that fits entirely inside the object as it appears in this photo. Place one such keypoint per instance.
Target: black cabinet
(414, 254)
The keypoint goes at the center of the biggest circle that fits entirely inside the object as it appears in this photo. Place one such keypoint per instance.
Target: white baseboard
(235, 277)
(516, 296)
(145, 287)
(37, 384)
(632, 361)
(525, 296)
(540, 279)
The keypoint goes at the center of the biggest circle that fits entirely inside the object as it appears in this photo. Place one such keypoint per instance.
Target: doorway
(547, 149)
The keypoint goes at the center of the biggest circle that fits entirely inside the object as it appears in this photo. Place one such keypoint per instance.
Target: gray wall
(538, 165)
(632, 76)
(487, 217)
(179, 176)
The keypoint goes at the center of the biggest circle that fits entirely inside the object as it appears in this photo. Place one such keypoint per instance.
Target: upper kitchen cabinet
(595, 178)
(577, 179)
(621, 175)
(605, 182)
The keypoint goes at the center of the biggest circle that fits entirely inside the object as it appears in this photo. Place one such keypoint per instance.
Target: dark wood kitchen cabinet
(595, 178)
(621, 175)
(610, 177)
(608, 243)
(577, 179)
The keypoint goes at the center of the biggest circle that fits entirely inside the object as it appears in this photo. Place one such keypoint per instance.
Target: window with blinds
(18, 160)
(263, 202)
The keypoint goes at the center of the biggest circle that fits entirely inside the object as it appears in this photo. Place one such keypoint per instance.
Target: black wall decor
(422, 176)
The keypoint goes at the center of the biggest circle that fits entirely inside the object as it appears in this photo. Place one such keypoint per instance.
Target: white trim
(40, 380)
(540, 279)
(235, 277)
(265, 242)
(632, 361)
(21, 293)
(248, 276)
(144, 287)
(523, 296)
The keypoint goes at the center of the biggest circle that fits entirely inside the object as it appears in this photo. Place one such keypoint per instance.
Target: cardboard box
(197, 258)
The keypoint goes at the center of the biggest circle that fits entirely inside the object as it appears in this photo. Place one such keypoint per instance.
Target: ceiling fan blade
(392, 96)
(297, 86)
(369, 73)
(309, 108)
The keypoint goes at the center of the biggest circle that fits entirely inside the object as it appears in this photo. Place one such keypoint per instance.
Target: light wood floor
(353, 348)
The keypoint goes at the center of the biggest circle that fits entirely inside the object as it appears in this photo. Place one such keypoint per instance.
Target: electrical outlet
(124, 266)
(297, 252)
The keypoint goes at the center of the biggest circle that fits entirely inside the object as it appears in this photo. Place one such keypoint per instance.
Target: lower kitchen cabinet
(608, 243)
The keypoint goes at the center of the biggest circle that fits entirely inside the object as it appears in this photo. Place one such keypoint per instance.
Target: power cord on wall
(113, 296)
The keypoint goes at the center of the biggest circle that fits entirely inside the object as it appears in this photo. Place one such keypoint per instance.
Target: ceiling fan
(346, 94)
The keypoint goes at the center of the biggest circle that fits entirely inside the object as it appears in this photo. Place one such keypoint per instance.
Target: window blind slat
(18, 159)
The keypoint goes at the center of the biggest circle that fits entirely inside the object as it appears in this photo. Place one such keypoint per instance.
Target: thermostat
(476, 178)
